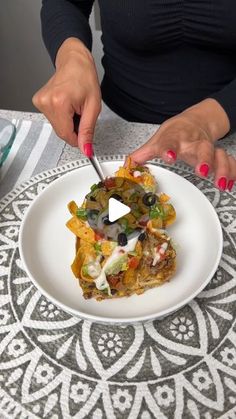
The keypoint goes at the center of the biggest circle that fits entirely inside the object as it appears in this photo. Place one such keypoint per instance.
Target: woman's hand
(73, 89)
(191, 136)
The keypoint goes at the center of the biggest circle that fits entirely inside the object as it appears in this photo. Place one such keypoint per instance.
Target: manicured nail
(230, 185)
(222, 182)
(204, 169)
(171, 155)
(88, 150)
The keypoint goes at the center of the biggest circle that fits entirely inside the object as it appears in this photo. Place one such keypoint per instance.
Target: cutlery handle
(93, 160)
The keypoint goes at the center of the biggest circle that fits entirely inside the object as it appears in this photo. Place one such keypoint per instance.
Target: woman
(165, 62)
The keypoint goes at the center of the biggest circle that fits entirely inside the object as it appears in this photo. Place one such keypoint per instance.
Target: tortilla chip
(73, 207)
(107, 248)
(170, 214)
(80, 229)
(130, 278)
(84, 254)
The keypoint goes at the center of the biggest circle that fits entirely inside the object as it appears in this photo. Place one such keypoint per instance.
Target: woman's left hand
(191, 137)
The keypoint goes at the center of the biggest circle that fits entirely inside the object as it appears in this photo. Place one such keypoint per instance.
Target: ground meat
(88, 295)
(115, 281)
(147, 260)
(159, 267)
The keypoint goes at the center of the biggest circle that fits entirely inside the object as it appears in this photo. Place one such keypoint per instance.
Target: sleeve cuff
(227, 99)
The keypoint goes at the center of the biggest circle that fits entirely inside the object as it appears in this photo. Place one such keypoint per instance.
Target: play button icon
(115, 206)
(117, 209)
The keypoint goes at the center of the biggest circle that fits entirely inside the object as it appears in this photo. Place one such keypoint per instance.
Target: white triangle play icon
(116, 209)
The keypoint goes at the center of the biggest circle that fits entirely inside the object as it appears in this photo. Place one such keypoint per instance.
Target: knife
(93, 159)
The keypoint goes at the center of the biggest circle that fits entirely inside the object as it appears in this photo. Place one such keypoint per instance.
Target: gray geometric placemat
(54, 365)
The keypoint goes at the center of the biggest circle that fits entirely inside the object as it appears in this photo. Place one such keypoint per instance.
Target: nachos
(132, 254)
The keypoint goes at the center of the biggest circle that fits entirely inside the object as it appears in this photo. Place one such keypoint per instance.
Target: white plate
(47, 248)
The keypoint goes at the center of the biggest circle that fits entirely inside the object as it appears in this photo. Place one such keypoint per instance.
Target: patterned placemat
(57, 366)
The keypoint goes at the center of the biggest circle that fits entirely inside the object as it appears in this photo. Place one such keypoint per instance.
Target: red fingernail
(204, 169)
(88, 150)
(222, 182)
(171, 154)
(230, 185)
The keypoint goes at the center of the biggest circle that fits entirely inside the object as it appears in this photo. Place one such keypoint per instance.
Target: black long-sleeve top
(160, 56)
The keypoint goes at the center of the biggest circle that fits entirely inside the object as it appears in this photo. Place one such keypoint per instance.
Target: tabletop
(54, 365)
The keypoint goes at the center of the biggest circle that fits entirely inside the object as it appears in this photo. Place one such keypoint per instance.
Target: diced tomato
(143, 223)
(162, 255)
(110, 182)
(99, 236)
(133, 262)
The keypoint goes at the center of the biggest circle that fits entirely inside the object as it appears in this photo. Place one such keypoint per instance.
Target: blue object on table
(7, 136)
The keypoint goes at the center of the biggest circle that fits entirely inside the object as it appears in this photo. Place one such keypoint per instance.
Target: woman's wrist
(210, 115)
(74, 48)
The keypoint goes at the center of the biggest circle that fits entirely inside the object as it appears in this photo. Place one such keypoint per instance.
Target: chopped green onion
(124, 223)
(105, 290)
(82, 213)
(94, 187)
(97, 247)
(129, 230)
(85, 270)
(156, 212)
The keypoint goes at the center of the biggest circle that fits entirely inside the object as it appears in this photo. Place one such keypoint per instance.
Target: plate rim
(125, 320)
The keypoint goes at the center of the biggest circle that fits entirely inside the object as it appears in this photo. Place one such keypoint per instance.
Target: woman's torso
(161, 56)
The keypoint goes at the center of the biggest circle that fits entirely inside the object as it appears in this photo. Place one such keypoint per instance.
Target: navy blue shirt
(160, 56)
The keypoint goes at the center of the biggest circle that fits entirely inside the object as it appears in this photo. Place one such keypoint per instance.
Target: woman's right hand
(73, 89)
